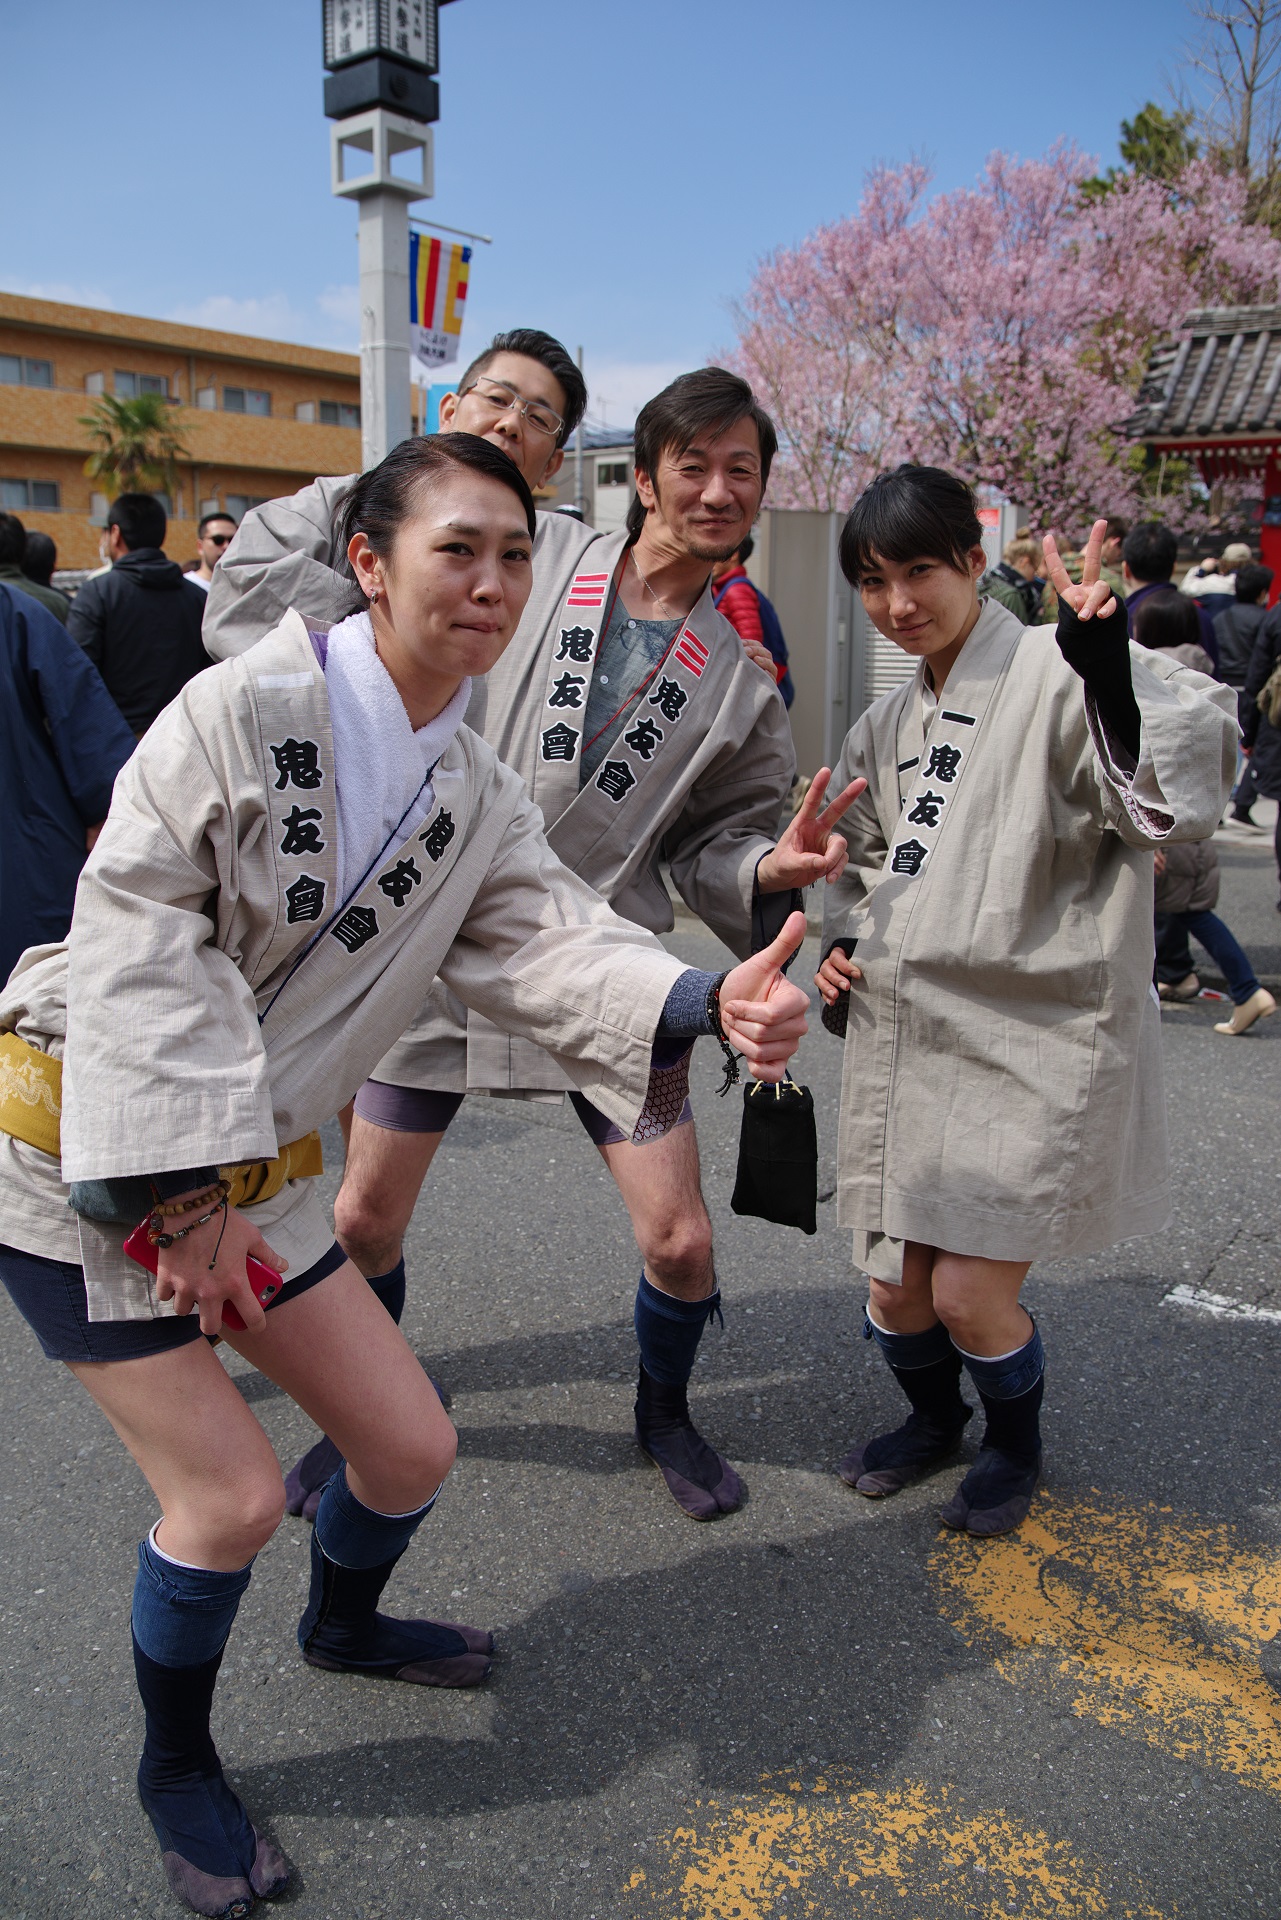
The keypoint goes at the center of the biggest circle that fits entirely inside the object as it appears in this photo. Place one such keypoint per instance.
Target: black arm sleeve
(1099, 651)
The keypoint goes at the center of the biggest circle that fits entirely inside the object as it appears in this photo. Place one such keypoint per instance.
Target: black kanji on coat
(297, 764)
(616, 779)
(944, 764)
(357, 925)
(399, 881)
(928, 809)
(438, 834)
(304, 900)
(909, 856)
(644, 737)
(568, 691)
(559, 742)
(575, 644)
(669, 696)
(302, 835)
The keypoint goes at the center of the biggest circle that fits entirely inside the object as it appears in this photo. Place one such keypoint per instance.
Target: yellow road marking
(1153, 1625)
(834, 1853)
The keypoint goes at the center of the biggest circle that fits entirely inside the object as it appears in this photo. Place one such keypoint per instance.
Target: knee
(679, 1246)
(958, 1308)
(362, 1227)
(241, 1519)
(408, 1473)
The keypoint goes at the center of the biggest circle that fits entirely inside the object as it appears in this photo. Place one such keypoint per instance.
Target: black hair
(1150, 551)
(13, 540)
(1251, 581)
(1116, 529)
(710, 401)
(746, 549)
(208, 519)
(549, 353)
(910, 513)
(40, 557)
(383, 499)
(141, 519)
(1167, 620)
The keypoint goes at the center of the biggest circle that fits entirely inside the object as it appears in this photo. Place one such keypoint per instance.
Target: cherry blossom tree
(1000, 330)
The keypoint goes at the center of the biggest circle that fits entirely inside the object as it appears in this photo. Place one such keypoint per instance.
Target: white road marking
(1219, 1305)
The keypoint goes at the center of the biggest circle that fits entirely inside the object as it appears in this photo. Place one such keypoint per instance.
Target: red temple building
(1214, 396)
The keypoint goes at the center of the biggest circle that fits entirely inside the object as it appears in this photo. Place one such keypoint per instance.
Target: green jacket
(992, 587)
(57, 603)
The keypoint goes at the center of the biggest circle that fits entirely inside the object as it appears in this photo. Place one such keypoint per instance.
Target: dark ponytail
(912, 513)
(384, 498)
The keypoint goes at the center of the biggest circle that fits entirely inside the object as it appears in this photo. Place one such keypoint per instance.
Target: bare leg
(383, 1178)
(663, 1194)
(978, 1301)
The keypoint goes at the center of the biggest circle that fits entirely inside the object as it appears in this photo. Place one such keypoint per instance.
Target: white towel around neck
(380, 762)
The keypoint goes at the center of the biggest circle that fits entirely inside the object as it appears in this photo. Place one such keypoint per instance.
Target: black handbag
(778, 1155)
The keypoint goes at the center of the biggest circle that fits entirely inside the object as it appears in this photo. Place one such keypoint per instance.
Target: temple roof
(1223, 378)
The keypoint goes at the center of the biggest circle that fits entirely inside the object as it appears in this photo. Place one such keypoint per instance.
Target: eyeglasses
(220, 539)
(497, 395)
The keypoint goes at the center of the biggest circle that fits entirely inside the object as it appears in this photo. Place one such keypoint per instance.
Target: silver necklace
(658, 601)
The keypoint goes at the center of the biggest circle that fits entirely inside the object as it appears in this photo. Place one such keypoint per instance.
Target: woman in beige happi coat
(306, 837)
(1002, 1097)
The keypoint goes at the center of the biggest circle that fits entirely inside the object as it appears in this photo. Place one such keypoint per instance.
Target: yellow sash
(31, 1110)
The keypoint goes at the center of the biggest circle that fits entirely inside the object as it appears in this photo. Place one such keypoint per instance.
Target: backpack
(1268, 698)
(772, 631)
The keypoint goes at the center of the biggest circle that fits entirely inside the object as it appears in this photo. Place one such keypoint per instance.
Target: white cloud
(618, 389)
(273, 317)
(67, 290)
(341, 306)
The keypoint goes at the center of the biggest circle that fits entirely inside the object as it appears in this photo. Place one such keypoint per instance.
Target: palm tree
(136, 448)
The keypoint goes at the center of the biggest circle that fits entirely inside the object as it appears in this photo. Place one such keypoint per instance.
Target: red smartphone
(264, 1284)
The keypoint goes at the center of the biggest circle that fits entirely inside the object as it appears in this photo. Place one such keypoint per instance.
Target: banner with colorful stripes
(438, 279)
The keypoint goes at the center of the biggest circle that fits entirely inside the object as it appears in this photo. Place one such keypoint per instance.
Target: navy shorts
(50, 1296)
(421, 1110)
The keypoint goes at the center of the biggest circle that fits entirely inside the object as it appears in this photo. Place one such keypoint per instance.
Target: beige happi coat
(1002, 1090)
(217, 999)
(704, 790)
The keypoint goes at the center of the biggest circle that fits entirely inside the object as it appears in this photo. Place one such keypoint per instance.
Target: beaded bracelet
(170, 1209)
(157, 1237)
(718, 1033)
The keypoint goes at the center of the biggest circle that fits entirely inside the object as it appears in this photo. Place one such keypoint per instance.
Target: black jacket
(1256, 732)
(140, 625)
(1235, 630)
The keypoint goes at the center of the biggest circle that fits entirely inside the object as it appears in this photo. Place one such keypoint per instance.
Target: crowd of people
(404, 843)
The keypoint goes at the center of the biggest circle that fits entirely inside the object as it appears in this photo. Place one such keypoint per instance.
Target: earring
(373, 595)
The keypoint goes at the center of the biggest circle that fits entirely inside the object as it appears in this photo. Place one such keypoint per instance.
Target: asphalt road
(821, 1706)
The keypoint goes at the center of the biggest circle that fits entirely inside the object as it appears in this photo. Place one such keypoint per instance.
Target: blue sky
(633, 159)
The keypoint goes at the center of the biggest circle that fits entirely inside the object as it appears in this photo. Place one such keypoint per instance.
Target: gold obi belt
(31, 1110)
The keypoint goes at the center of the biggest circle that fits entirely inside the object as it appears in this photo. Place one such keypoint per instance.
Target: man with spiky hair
(646, 734)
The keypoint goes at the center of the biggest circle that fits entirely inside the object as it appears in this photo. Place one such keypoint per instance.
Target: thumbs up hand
(762, 1013)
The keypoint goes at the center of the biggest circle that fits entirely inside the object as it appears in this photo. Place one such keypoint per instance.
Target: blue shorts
(50, 1296)
(422, 1110)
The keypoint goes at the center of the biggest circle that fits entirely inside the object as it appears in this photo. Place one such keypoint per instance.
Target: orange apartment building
(258, 418)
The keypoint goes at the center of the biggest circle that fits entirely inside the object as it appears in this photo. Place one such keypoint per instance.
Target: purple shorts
(423, 1110)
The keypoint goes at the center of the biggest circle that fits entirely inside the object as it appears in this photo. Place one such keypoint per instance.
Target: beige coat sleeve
(731, 818)
(281, 558)
(1187, 755)
(165, 1065)
(545, 958)
(861, 826)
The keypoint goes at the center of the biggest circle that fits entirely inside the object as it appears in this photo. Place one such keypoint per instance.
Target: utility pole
(580, 496)
(381, 95)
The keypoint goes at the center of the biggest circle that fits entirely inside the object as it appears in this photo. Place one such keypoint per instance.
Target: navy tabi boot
(353, 1552)
(668, 1330)
(996, 1493)
(213, 1858)
(928, 1368)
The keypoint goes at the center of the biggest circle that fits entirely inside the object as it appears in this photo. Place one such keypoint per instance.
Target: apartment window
(337, 413)
(39, 495)
(238, 504)
(246, 400)
(95, 383)
(16, 370)
(207, 399)
(611, 473)
(305, 411)
(130, 385)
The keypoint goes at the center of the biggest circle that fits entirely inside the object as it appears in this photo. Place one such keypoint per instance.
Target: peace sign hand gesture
(809, 851)
(1093, 596)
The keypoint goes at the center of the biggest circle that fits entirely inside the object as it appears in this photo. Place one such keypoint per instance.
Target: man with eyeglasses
(213, 536)
(645, 735)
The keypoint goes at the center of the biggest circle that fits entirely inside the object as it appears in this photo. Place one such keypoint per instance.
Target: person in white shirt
(213, 536)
